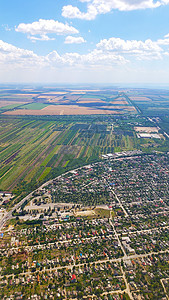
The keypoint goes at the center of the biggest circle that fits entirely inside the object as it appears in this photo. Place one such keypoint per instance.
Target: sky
(84, 41)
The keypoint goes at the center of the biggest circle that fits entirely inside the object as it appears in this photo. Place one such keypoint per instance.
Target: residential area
(97, 232)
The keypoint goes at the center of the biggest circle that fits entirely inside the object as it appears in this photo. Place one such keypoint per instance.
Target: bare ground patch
(140, 99)
(85, 213)
(62, 110)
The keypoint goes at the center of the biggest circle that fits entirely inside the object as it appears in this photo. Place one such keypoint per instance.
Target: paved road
(161, 280)
(158, 126)
(117, 237)
(43, 246)
(146, 230)
(127, 285)
(125, 212)
(8, 215)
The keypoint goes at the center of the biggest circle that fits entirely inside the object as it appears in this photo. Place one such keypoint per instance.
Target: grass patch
(66, 163)
(113, 214)
(48, 158)
(102, 213)
(45, 173)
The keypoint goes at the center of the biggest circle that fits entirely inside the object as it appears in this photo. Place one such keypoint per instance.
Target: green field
(45, 173)
(10, 106)
(35, 106)
(34, 149)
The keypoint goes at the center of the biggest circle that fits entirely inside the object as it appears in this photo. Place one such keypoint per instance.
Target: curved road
(8, 215)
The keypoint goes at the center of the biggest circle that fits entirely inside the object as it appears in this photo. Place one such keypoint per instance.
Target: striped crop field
(33, 149)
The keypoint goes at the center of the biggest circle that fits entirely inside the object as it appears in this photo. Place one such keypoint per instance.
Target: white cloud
(43, 37)
(112, 60)
(108, 53)
(95, 58)
(14, 56)
(11, 55)
(128, 45)
(74, 40)
(72, 12)
(141, 50)
(96, 7)
(44, 27)
(163, 42)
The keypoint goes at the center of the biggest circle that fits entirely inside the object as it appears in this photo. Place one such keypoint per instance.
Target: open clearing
(85, 213)
(146, 129)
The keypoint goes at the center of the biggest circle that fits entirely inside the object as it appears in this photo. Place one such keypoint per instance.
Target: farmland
(45, 132)
(33, 149)
(103, 222)
(150, 102)
(69, 101)
(64, 102)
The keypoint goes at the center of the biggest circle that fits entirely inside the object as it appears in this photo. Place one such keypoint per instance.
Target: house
(73, 279)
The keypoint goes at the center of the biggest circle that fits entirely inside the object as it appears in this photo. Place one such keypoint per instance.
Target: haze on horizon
(93, 41)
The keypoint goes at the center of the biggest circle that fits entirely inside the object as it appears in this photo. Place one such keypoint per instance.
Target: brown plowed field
(124, 102)
(89, 100)
(61, 110)
(140, 99)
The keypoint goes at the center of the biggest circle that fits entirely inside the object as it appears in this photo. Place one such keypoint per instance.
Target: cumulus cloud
(41, 38)
(96, 7)
(127, 45)
(11, 55)
(72, 12)
(163, 42)
(108, 53)
(44, 27)
(14, 57)
(141, 50)
(74, 40)
(94, 58)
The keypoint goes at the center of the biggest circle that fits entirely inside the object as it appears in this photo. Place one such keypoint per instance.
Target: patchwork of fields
(68, 102)
(59, 129)
(150, 102)
(56, 101)
(36, 149)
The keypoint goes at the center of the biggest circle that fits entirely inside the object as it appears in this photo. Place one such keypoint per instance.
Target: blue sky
(84, 41)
